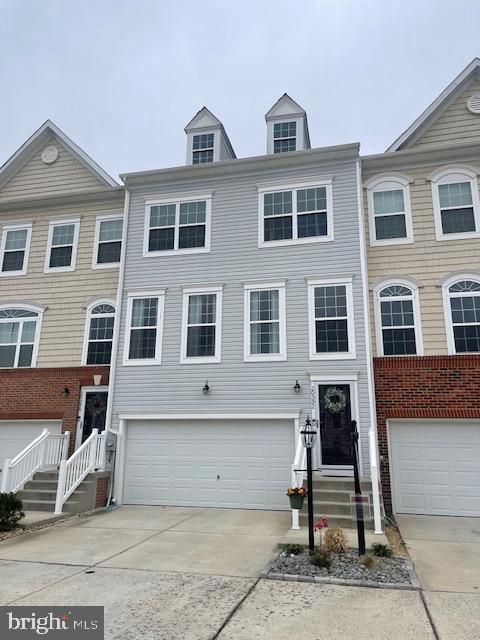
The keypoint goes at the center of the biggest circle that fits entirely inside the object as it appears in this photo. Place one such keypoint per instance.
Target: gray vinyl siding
(238, 386)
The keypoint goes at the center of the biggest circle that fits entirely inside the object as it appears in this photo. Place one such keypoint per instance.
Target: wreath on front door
(335, 400)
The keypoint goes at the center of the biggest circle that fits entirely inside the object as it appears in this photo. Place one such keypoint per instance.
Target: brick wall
(429, 387)
(36, 394)
(102, 492)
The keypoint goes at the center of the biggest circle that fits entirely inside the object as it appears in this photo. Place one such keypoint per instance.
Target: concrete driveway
(192, 574)
(446, 555)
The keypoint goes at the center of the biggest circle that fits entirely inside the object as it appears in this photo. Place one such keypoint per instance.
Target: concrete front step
(331, 508)
(71, 506)
(340, 484)
(42, 494)
(332, 495)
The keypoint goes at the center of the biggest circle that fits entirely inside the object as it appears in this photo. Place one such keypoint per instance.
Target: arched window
(462, 314)
(398, 319)
(390, 220)
(19, 335)
(99, 332)
(456, 203)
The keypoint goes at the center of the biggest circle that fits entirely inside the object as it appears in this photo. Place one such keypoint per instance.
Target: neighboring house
(422, 213)
(243, 304)
(61, 233)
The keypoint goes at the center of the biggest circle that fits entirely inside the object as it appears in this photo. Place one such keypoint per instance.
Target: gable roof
(438, 106)
(285, 105)
(36, 142)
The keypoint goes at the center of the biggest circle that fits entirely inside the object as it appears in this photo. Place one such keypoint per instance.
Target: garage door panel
(436, 467)
(252, 459)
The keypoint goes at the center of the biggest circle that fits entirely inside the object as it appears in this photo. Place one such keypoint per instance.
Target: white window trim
(96, 242)
(187, 292)
(216, 144)
(326, 182)
(191, 197)
(446, 284)
(131, 296)
(88, 318)
(448, 175)
(417, 318)
(347, 281)
(38, 328)
(58, 223)
(389, 182)
(5, 230)
(282, 320)
(299, 138)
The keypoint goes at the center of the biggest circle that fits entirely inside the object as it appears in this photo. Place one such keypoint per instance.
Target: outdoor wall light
(296, 386)
(206, 388)
(65, 392)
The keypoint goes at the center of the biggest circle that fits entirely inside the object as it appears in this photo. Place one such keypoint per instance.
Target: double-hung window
(143, 336)
(62, 245)
(265, 322)
(456, 203)
(295, 214)
(398, 319)
(14, 250)
(108, 241)
(19, 336)
(201, 325)
(99, 332)
(331, 321)
(284, 136)
(202, 148)
(462, 313)
(181, 226)
(390, 219)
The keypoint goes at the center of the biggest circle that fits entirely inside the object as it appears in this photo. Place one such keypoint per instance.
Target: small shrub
(320, 558)
(293, 549)
(382, 550)
(335, 541)
(368, 561)
(11, 511)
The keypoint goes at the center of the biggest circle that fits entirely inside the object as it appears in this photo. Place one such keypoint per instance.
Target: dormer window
(284, 137)
(202, 148)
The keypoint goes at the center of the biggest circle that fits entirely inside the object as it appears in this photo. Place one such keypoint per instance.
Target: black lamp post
(309, 436)
(358, 491)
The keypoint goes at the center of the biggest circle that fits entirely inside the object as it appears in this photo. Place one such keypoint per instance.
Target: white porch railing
(46, 451)
(89, 457)
(298, 476)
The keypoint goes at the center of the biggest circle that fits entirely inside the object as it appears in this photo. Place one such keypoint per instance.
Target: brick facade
(429, 387)
(101, 495)
(36, 394)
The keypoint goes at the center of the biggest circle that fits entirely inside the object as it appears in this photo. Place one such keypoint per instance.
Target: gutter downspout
(116, 330)
(373, 442)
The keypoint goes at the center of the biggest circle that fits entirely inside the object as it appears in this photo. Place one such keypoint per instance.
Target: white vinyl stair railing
(45, 452)
(89, 457)
(298, 475)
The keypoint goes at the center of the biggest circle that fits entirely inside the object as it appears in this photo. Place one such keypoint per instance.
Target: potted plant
(296, 495)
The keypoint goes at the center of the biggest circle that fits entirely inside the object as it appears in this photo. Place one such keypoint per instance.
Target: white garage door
(209, 463)
(16, 434)
(436, 467)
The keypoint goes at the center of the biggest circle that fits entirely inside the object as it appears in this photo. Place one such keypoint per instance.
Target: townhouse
(422, 217)
(61, 234)
(243, 311)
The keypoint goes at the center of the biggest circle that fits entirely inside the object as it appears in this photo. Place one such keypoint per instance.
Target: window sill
(283, 243)
(59, 270)
(390, 242)
(9, 274)
(268, 358)
(175, 252)
(458, 236)
(210, 360)
(139, 363)
(333, 356)
(106, 265)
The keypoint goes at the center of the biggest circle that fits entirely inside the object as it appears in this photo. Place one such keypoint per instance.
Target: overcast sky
(123, 77)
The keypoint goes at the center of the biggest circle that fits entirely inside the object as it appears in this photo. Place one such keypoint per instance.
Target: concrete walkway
(192, 574)
(446, 555)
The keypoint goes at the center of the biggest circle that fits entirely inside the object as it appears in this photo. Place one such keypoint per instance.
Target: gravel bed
(345, 566)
